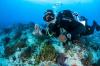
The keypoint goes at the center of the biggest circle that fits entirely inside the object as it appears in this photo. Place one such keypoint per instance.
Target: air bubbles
(59, 3)
(56, 6)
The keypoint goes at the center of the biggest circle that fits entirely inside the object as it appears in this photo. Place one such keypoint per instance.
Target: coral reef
(47, 54)
(26, 53)
(61, 59)
(17, 35)
(6, 40)
(7, 30)
(21, 48)
(8, 51)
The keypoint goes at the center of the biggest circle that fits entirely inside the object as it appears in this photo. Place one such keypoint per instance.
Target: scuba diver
(62, 26)
(50, 19)
(66, 26)
(89, 29)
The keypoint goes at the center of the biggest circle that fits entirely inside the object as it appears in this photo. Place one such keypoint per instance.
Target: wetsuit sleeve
(89, 30)
(43, 32)
(54, 29)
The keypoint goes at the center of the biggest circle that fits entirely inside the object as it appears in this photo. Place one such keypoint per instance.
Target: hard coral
(47, 53)
(26, 53)
(7, 30)
(20, 44)
(6, 40)
(17, 35)
(20, 26)
(31, 25)
(8, 51)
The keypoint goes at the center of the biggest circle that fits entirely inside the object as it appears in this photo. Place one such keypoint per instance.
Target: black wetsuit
(90, 29)
(74, 28)
(66, 20)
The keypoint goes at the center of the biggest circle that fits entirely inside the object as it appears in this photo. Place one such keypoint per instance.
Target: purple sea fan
(61, 59)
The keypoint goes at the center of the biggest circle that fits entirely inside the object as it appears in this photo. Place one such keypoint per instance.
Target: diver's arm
(89, 30)
(46, 32)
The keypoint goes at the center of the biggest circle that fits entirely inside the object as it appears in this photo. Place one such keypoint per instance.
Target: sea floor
(19, 47)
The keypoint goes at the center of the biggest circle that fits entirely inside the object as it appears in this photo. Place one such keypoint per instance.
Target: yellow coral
(47, 54)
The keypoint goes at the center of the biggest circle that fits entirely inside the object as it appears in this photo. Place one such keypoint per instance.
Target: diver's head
(49, 16)
(68, 14)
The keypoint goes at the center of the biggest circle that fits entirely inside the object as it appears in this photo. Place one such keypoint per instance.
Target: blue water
(25, 11)
(15, 11)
